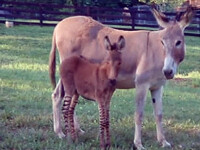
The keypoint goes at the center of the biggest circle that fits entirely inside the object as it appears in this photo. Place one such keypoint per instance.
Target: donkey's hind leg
(57, 96)
(77, 128)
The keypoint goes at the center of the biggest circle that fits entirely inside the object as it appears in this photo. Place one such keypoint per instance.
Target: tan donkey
(148, 60)
(94, 82)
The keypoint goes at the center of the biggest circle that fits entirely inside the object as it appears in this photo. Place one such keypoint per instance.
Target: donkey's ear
(107, 43)
(185, 18)
(121, 42)
(161, 19)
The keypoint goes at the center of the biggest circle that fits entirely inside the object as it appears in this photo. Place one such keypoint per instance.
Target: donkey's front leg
(157, 105)
(141, 92)
(57, 102)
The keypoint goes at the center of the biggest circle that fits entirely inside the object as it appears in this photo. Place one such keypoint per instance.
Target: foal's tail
(52, 62)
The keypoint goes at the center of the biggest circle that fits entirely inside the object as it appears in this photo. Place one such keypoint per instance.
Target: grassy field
(26, 109)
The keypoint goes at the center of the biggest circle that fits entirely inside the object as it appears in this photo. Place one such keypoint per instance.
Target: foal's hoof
(165, 144)
(75, 140)
(69, 139)
(107, 146)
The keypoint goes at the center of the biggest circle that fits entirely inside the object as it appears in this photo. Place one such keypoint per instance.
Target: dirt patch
(181, 80)
(186, 82)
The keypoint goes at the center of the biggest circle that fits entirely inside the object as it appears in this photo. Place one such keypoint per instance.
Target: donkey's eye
(162, 42)
(178, 43)
(181, 60)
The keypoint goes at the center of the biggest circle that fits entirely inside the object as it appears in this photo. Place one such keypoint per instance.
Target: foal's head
(172, 39)
(114, 57)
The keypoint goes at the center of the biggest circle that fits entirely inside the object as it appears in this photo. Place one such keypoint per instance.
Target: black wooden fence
(135, 18)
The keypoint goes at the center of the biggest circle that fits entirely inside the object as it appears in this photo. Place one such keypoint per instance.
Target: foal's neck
(104, 68)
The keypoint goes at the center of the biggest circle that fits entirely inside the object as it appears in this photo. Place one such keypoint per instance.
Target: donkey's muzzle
(169, 74)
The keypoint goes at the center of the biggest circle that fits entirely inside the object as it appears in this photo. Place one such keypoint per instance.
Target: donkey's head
(172, 39)
(114, 57)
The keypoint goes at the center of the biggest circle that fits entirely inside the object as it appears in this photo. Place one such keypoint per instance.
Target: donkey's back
(74, 34)
(82, 36)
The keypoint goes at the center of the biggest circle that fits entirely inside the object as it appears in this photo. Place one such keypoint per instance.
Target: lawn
(26, 108)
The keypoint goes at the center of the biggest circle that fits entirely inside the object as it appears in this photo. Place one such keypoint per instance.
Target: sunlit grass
(27, 67)
(193, 74)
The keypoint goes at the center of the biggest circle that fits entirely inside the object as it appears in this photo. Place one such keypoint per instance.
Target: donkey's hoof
(138, 147)
(166, 144)
(61, 135)
(80, 132)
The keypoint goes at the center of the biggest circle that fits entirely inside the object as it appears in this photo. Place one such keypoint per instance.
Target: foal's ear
(107, 43)
(161, 19)
(121, 42)
(185, 18)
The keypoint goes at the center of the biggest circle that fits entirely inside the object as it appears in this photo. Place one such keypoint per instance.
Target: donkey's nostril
(113, 82)
(168, 74)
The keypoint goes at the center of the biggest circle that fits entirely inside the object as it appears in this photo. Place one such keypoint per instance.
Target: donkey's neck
(155, 51)
(154, 42)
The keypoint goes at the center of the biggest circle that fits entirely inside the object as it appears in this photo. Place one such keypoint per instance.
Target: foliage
(165, 5)
(41, 1)
(178, 2)
(101, 3)
(107, 3)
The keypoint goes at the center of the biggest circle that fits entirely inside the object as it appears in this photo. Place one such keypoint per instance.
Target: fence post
(132, 12)
(41, 15)
(88, 10)
(96, 13)
(198, 20)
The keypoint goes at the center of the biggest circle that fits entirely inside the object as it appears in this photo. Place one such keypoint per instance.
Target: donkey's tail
(52, 62)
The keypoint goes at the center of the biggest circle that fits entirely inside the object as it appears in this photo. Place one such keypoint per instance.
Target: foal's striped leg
(65, 110)
(107, 123)
(102, 124)
(74, 101)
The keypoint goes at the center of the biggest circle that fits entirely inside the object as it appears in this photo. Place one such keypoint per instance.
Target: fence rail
(49, 14)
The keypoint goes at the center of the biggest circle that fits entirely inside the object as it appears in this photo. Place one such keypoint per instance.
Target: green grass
(26, 109)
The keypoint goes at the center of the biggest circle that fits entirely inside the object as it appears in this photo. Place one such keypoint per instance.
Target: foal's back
(80, 75)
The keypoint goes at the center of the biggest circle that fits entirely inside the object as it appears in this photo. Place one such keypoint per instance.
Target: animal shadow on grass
(120, 138)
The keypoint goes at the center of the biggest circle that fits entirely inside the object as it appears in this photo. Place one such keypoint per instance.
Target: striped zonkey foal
(94, 82)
